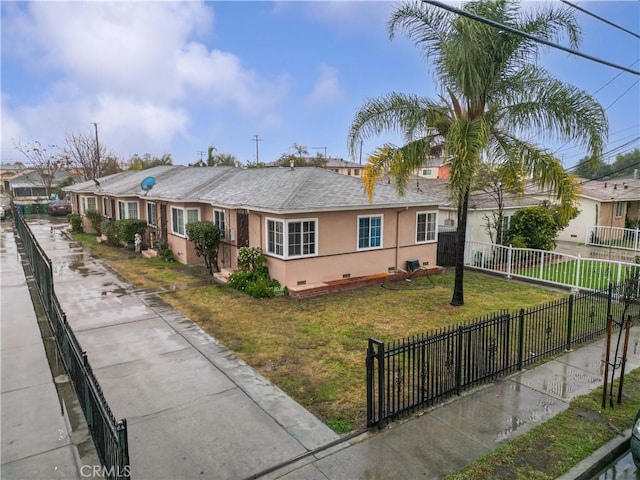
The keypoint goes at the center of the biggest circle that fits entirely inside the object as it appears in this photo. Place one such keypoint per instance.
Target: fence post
(609, 299)
(569, 323)
(541, 276)
(521, 339)
(85, 384)
(509, 251)
(381, 385)
(370, 385)
(123, 446)
(577, 280)
(459, 361)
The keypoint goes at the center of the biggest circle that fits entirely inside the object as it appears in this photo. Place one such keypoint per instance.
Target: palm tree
(493, 94)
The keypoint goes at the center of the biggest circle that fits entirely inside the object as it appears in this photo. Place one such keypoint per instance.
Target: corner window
(369, 232)
(426, 227)
(127, 210)
(152, 214)
(292, 238)
(619, 209)
(181, 217)
(219, 220)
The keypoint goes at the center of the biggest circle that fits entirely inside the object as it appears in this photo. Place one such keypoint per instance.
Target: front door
(243, 229)
(163, 221)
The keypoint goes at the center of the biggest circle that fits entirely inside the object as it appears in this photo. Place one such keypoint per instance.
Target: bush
(206, 238)
(108, 229)
(75, 220)
(126, 229)
(165, 252)
(253, 275)
(95, 219)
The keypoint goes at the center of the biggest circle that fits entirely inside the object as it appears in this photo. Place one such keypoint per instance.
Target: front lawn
(314, 349)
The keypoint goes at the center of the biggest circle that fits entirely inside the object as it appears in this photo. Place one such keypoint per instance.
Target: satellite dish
(147, 184)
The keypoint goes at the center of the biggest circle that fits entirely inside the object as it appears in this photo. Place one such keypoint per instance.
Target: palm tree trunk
(461, 234)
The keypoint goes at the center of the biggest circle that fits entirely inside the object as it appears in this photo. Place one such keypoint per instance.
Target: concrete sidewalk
(194, 409)
(37, 441)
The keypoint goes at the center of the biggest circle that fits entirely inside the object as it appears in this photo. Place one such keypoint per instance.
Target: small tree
(206, 237)
(535, 226)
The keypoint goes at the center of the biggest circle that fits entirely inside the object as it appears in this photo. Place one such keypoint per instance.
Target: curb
(599, 459)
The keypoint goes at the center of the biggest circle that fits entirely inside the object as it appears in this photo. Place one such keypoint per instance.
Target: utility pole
(97, 169)
(320, 148)
(201, 152)
(256, 139)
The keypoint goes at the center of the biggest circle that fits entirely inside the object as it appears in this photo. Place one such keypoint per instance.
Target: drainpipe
(398, 236)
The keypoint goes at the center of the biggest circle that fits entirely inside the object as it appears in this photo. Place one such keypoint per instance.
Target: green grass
(314, 349)
(554, 447)
(593, 274)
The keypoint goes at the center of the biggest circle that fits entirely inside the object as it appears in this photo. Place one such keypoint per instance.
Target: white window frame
(619, 209)
(278, 244)
(152, 212)
(430, 220)
(127, 213)
(369, 247)
(84, 202)
(184, 221)
(220, 219)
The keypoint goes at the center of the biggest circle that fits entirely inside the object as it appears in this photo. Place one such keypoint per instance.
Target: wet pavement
(37, 439)
(195, 410)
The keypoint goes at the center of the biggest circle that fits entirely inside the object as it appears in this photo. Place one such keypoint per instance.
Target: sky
(177, 77)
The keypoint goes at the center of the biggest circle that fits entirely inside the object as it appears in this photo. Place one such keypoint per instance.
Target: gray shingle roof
(278, 190)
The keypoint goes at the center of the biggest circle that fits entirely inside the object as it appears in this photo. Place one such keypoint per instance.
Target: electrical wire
(600, 18)
(515, 31)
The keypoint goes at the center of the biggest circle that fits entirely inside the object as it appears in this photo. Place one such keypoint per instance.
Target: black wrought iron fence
(109, 435)
(417, 372)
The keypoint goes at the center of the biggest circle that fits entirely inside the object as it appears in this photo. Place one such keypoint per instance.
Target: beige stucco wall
(338, 256)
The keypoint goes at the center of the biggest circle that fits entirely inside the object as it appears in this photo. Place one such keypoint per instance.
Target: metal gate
(446, 248)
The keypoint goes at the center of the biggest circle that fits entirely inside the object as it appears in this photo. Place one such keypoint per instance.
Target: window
(89, 203)
(127, 210)
(293, 238)
(152, 214)
(505, 227)
(105, 206)
(425, 227)
(218, 219)
(426, 171)
(619, 209)
(348, 171)
(275, 237)
(369, 232)
(356, 172)
(302, 238)
(178, 216)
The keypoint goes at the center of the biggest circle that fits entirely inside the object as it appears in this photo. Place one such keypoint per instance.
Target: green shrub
(253, 275)
(95, 219)
(75, 220)
(127, 229)
(108, 229)
(165, 252)
(206, 238)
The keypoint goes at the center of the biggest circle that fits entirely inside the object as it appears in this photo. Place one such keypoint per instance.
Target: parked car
(60, 207)
(635, 441)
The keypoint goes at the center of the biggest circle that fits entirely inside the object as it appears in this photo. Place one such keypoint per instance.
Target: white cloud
(133, 67)
(327, 89)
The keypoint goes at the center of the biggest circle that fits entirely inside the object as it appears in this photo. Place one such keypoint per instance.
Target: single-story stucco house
(314, 225)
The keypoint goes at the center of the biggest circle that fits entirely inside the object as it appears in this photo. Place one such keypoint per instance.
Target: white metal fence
(550, 267)
(616, 237)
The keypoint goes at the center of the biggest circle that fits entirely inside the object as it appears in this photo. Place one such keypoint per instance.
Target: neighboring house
(30, 187)
(608, 203)
(344, 167)
(8, 171)
(313, 225)
(434, 168)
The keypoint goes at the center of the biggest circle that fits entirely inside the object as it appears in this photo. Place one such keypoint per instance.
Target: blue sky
(165, 77)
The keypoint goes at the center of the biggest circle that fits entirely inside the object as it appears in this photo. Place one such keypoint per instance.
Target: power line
(600, 18)
(507, 28)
